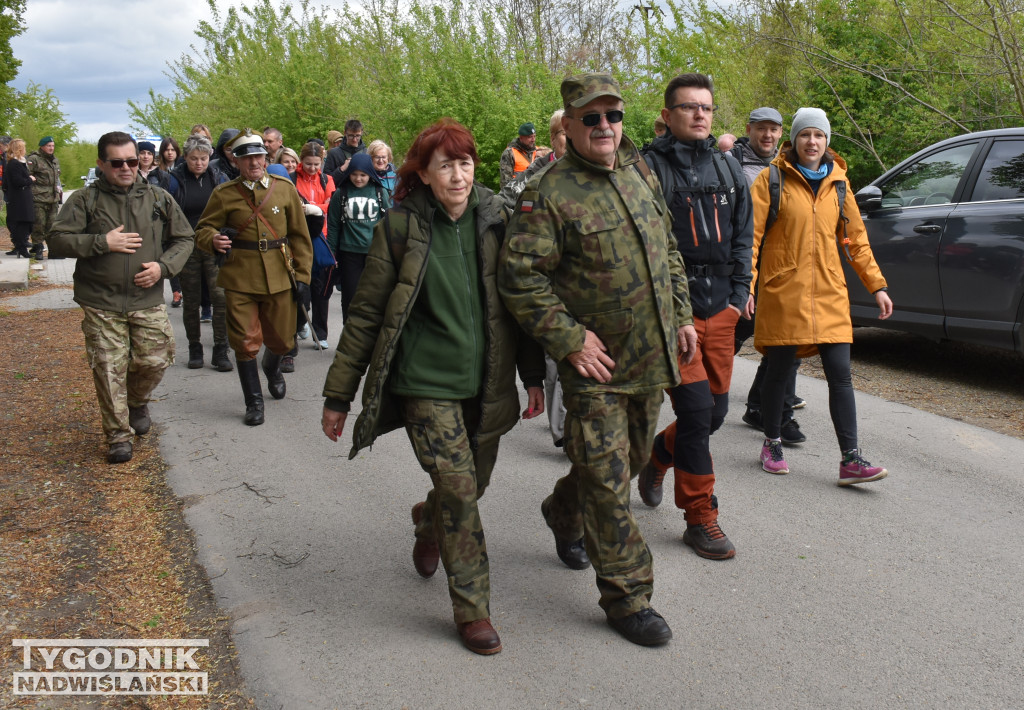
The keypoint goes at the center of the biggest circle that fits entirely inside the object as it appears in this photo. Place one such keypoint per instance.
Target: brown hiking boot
(425, 553)
(480, 637)
(708, 541)
(651, 484)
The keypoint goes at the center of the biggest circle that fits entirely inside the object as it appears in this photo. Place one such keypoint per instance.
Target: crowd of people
(603, 274)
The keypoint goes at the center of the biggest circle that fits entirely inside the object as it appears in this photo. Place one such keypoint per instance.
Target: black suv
(947, 229)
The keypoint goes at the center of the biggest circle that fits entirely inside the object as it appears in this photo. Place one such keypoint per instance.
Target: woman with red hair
(441, 349)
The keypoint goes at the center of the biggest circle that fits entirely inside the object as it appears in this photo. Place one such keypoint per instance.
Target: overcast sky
(97, 54)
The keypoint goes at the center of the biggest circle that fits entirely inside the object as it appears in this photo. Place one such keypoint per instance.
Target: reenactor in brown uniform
(256, 221)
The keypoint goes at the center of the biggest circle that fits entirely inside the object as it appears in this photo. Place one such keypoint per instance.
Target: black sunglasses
(593, 119)
(118, 163)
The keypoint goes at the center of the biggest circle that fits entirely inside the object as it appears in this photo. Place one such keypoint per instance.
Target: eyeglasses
(380, 158)
(353, 136)
(692, 108)
(118, 163)
(594, 119)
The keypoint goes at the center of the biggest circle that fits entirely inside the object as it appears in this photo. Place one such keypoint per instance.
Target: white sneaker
(324, 345)
(304, 333)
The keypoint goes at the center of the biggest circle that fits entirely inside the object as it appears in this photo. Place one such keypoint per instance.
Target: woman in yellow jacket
(802, 301)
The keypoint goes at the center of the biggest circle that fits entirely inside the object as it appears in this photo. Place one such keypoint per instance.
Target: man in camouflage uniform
(591, 271)
(116, 229)
(47, 192)
(268, 260)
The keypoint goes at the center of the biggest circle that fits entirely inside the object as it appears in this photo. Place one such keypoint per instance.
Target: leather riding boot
(195, 356)
(249, 376)
(272, 369)
(220, 358)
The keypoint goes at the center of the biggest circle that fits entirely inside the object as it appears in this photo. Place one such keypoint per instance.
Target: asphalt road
(904, 593)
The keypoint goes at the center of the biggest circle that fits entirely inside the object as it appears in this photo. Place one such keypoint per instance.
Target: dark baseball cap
(578, 91)
(765, 113)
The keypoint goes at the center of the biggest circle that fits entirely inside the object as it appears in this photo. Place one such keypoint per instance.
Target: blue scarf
(820, 174)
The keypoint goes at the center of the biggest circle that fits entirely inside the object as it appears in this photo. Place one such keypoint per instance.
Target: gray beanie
(810, 118)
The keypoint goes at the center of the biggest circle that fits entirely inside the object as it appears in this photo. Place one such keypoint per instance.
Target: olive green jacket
(388, 288)
(591, 248)
(46, 190)
(106, 279)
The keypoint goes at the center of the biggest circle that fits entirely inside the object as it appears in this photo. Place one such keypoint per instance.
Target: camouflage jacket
(592, 248)
(106, 279)
(46, 190)
(388, 288)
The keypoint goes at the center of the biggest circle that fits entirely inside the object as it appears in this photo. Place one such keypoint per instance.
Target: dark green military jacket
(388, 288)
(591, 248)
(106, 279)
(46, 189)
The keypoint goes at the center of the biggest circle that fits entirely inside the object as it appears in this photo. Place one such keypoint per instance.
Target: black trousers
(835, 359)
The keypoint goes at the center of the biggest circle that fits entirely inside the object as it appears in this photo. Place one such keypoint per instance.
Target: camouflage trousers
(439, 432)
(202, 267)
(45, 214)
(128, 354)
(608, 437)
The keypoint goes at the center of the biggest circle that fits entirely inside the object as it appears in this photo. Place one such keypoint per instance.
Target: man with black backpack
(711, 209)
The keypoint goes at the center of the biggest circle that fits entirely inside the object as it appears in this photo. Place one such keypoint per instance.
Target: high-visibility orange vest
(522, 161)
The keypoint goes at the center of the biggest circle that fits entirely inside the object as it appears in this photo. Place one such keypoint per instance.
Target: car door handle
(927, 229)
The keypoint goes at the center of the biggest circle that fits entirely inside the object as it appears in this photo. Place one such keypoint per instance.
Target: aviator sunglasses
(593, 119)
(118, 163)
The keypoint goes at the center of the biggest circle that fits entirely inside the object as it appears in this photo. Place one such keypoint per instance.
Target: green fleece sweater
(441, 350)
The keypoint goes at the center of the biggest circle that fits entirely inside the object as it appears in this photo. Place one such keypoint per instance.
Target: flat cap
(334, 136)
(765, 113)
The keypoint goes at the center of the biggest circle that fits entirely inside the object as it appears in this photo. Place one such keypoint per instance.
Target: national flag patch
(526, 206)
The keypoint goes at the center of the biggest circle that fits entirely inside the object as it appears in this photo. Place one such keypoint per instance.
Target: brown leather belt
(261, 245)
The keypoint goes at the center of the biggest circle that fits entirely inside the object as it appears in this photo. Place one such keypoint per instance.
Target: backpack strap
(844, 244)
(775, 182)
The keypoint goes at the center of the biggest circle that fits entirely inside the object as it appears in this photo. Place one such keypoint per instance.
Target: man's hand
(593, 360)
(333, 423)
(124, 242)
(221, 243)
(149, 276)
(884, 304)
(748, 312)
(312, 210)
(535, 406)
(687, 338)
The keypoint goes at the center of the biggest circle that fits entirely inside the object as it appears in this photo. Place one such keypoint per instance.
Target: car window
(930, 181)
(1002, 175)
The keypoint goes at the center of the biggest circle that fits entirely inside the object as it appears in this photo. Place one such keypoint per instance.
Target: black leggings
(835, 359)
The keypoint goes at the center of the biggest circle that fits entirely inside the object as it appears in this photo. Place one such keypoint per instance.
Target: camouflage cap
(578, 91)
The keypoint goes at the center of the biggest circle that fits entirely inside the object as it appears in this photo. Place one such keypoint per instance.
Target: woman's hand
(535, 406)
(333, 423)
(884, 304)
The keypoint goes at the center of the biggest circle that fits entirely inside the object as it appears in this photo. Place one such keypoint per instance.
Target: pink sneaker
(771, 457)
(856, 469)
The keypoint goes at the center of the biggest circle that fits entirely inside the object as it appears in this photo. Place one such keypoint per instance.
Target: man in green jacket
(116, 228)
(591, 271)
(44, 168)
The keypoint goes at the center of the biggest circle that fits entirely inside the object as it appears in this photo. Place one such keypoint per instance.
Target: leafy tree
(11, 25)
(37, 114)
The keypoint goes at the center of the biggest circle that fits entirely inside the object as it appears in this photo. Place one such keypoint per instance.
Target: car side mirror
(869, 198)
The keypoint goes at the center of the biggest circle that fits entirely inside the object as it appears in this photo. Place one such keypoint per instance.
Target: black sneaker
(708, 541)
(644, 628)
(753, 418)
(798, 402)
(791, 434)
